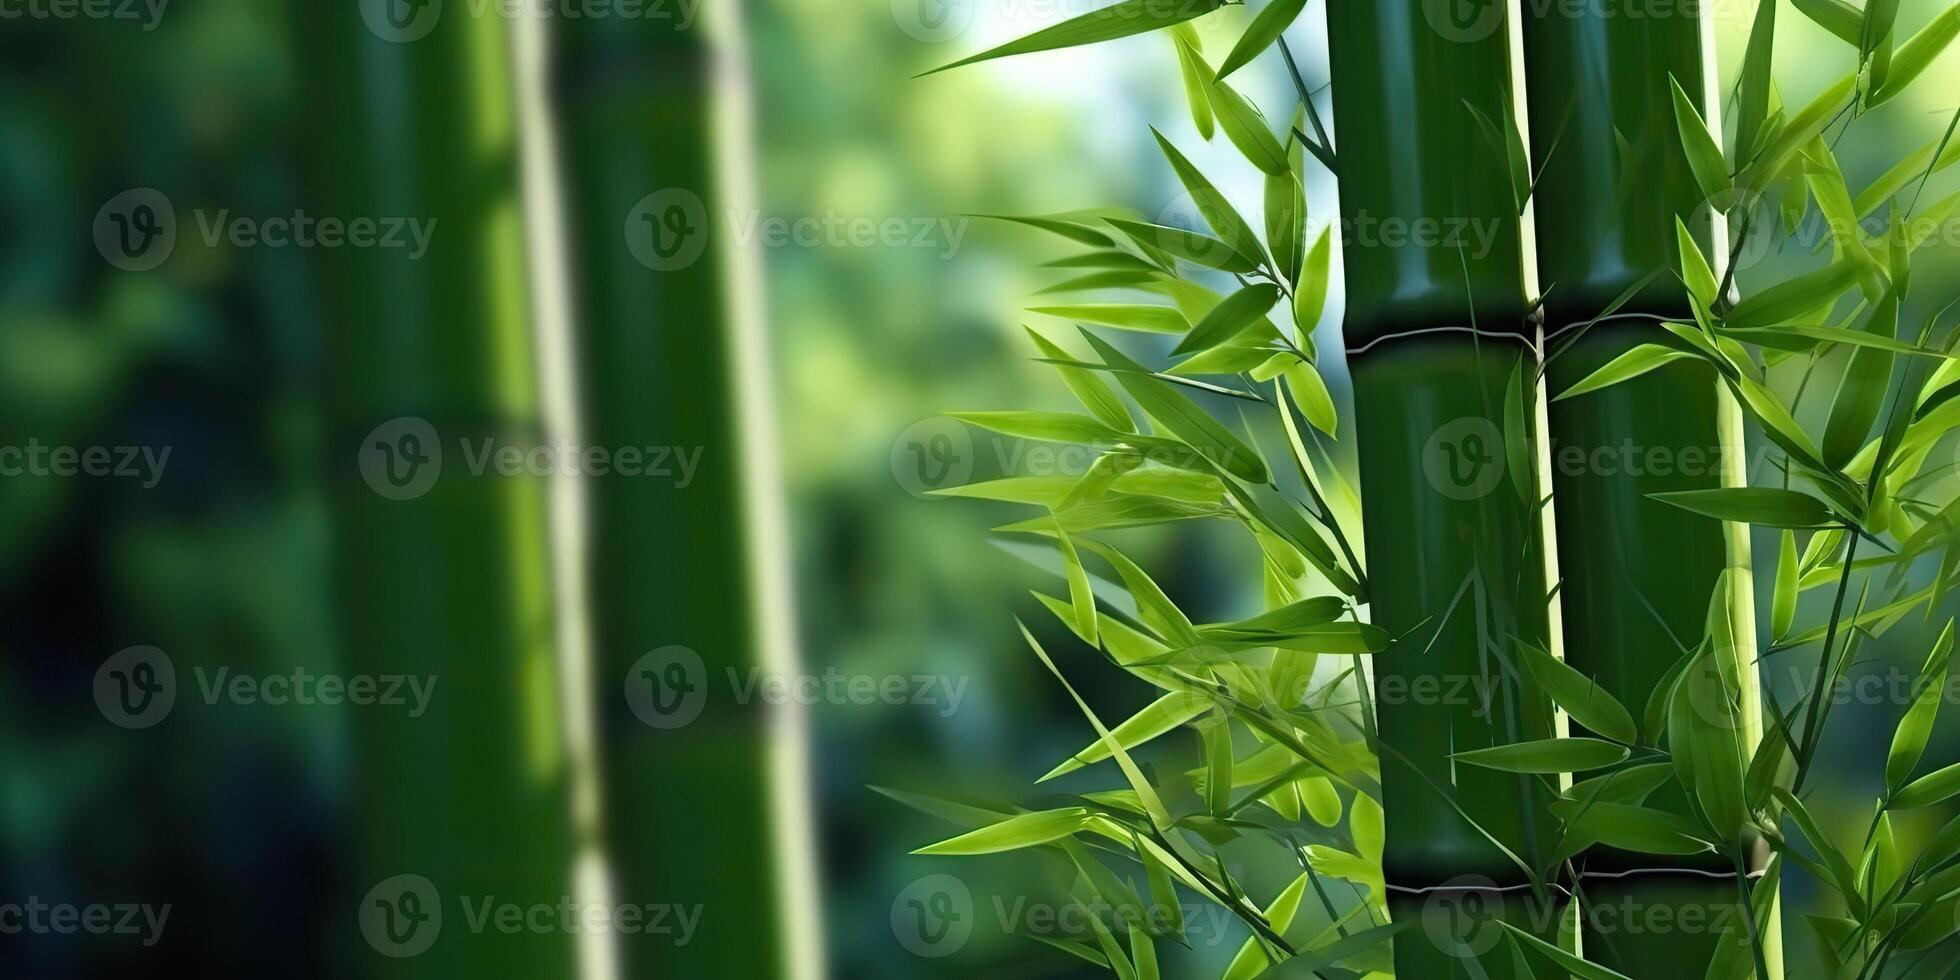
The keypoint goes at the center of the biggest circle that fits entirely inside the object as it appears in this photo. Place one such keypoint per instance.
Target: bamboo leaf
(1310, 300)
(1016, 832)
(1783, 599)
(1765, 506)
(1286, 217)
(1218, 764)
(1251, 959)
(1082, 598)
(1046, 426)
(1639, 828)
(1227, 320)
(1914, 56)
(1928, 790)
(1861, 393)
(1246, 127)
(1071, 230)
(1581, 697)
(1161, 716)
(1197, 79)
(1754, 88)
(1566, 961)
(1217, 211)
(1310, 393)
(1627, 366)
(1836, 16)
(1129, 316)
(1546, 756)
(1115, 21)
(1183, 418)
(1265, 29)
(1909, 739)
(1704, 154)
(1153, 805)
(1191, 246)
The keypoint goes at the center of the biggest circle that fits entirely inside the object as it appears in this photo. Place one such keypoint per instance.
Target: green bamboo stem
(1456, 535)
(1638, 575)
(452, 584)
(694, 814)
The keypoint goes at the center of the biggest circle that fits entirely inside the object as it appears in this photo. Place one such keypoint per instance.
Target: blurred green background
(241, 817)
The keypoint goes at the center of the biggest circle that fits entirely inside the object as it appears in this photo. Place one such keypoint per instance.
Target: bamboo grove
(1614, 747)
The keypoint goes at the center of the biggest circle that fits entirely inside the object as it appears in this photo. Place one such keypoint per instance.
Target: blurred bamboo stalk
(451, 583)
(688, 573)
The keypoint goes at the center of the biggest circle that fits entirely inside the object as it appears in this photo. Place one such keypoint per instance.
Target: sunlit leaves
(1917, 53)
(1247, 128)
(1704, 153)
(1909, 739)
(1264, 30)
(1121, 19)
(1014, 833)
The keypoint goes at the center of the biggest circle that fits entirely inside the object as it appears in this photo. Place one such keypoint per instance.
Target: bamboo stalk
(1456, 535)
(450, 582)
(1638, 575)
(670, 355)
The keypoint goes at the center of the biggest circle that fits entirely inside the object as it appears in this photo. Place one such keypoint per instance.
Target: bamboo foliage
(1279, 701)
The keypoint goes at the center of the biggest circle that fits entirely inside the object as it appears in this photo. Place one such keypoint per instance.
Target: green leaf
(1765, 506)
(1154, 608)
(1246, 127)
(1082, 598)
(1071, 230)
(1181, 416)
(1218, 763)
(1704, 154)
(1090, 389)
(1792, 298)
(1754, 87)
(1152, 804)
(1909, 739)
(1129, 316)
(1639, 828)
(1227, 320)
(1783, 601)
(1163, 715)
(1546, 756)
(1016, 832)
(1777, 422)
(1251, 959)
(1197, 79)
(1266, 28)
(1627, 366)
(1117, 20)
(1310, 300)
(1695, 271)
(1191, 246)
(1928, 790)
(1581, 697)
(1913, 57)
(1310, 392)
(1861, 392)
(1286, 218)
(1836, 16)
(1574, 965)
(1047, 426)
(1166, 912)
(1212, 205)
